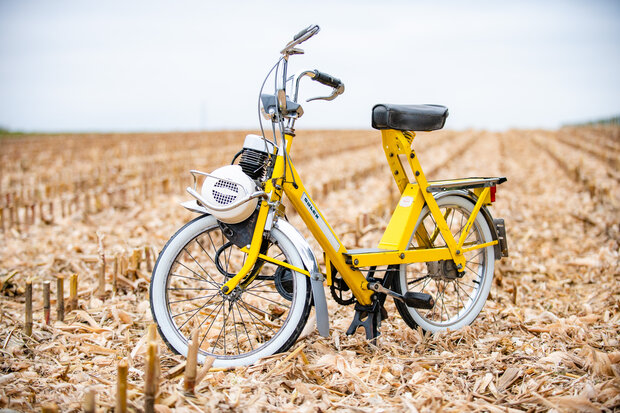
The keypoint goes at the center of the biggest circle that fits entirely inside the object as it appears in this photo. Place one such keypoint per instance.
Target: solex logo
(320, 222)
(310, 207)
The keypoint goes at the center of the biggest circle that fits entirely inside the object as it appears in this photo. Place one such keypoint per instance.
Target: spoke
(210, 325)
(471, 232)
(445, 288)
(191, 278)
(475, 272)
(235, 326)
(443, 301)
(230, 304)
(452, 218)
(263, 298)
(257, 309)
(436, 301)
(458, 296)
(228, 259)
(439, 296)
(417, 280)
(214, 283)
(220, 333)
(191, 288)
(243, 324)
(462, 226)
(436, 231)
(191, 309)
(278, 256)
(191, 299)
(197, 311)
(253, 317)
(214, 247)
(224, 243)
(205, 251)
(460, 284)
(198, 264)
(256, 286)
(185, 312)
(425, 284)
(480, 252)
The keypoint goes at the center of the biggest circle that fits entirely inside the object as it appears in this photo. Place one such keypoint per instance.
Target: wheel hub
(233, 296)
(442, 270)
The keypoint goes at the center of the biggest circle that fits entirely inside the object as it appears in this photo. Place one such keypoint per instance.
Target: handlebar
(304, 31)
(323, 78)
(327, 80)
(300, 37)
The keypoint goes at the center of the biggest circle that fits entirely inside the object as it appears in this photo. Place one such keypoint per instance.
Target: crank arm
(411, 299)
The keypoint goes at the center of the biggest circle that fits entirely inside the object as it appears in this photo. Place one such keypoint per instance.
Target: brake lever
(335, 93)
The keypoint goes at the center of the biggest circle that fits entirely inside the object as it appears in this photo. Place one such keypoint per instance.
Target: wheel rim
(455, 297)
(230, 326)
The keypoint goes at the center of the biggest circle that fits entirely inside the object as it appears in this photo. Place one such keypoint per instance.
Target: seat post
(393, 145)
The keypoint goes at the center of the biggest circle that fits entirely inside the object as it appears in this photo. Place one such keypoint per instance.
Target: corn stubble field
(547, 338)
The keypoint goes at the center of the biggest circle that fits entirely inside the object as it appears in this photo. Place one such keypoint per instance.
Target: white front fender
(316, 277)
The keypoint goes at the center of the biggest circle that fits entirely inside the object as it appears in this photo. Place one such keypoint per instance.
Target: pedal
(418, 300)
(411, 299)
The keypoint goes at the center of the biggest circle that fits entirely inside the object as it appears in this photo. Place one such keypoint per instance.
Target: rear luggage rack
(464, 183)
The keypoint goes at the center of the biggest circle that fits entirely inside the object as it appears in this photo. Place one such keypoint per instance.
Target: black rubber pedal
(419, 300)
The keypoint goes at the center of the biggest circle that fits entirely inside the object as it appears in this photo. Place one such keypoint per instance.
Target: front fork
(254, 250)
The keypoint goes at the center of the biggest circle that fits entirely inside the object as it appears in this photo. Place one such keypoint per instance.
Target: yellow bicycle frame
(395, 240)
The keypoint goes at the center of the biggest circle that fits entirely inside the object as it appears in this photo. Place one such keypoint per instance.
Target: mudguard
(316, 277)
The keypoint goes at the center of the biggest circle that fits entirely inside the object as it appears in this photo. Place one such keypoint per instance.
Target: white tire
(458, 300)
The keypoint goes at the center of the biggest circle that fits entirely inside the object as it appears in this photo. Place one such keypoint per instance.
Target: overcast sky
(186, 65)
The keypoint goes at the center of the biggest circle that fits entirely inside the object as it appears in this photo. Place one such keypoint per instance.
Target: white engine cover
(226, 185)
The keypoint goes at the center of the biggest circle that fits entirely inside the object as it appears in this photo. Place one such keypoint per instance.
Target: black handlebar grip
(326, 79)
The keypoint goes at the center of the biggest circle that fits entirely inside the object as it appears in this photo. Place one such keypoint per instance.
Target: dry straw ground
(547, 339)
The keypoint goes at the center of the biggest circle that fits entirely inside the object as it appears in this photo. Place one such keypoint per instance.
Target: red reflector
(493, 190)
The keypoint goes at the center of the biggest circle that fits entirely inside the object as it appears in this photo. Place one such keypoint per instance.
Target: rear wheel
(458, 299)
(255, 320)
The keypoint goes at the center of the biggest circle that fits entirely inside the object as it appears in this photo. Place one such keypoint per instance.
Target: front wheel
(255, 320)
(458, 299)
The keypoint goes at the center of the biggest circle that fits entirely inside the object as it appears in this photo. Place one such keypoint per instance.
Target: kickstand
(369, 317)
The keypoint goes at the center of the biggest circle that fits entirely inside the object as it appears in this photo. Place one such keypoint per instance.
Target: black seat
(409, 117)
